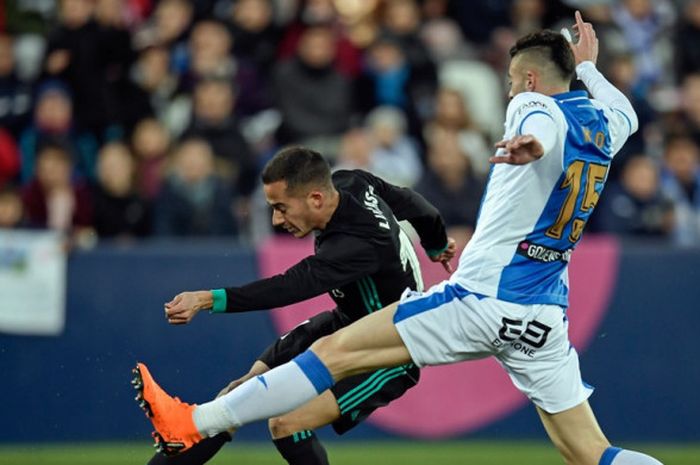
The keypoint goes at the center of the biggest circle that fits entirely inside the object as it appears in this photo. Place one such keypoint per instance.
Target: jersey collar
(571, 95)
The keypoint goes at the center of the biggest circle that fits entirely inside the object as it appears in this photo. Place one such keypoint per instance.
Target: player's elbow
(634, 121)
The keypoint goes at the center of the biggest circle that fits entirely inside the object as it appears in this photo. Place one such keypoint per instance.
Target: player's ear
(315, 199)
(530, 81)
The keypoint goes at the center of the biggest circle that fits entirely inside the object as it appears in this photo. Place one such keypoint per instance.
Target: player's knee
(327, 348)
(580, 453)
(281, 427)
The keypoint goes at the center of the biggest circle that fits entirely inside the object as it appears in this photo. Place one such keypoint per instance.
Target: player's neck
(552, 89)
(329, 209)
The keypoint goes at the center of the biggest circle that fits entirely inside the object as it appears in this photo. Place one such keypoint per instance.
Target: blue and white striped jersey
(532, 216)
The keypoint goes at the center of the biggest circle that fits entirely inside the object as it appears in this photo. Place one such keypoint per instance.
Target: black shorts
(358, 396)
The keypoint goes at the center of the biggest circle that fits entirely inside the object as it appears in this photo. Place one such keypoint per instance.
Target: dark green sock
(302, 448)
(199, 454)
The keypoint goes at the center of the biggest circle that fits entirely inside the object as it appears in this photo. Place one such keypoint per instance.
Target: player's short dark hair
(299, 167)
(550, 45)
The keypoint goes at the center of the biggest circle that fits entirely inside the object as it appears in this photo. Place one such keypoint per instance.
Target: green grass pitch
(340, 453)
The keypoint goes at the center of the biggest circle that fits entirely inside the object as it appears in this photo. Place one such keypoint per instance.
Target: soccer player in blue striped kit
(511, 287)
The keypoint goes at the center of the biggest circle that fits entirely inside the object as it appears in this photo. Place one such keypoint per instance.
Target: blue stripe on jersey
(520, 128)
(420, 304)
(529, 281)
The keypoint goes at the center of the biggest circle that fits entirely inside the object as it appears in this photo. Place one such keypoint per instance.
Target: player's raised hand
(586, 47)
(185, 306)
(519, 150)
(446, 255)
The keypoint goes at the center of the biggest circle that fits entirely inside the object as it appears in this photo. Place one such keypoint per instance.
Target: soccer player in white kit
(509, 294)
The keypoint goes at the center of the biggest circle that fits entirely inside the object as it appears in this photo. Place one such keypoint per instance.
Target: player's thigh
(369, 343)
(320, 411)
(576, 434)
(448, 324)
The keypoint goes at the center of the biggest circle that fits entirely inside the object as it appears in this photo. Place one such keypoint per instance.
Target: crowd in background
(145, 118)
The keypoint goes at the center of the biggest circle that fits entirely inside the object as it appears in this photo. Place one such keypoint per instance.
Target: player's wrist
(583, 67)
(216, 300)
(434, 253)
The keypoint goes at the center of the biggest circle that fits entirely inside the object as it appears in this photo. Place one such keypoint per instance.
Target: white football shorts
(448, 324)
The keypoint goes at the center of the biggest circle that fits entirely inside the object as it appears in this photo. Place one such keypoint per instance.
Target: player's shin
(271, 394)
(302, 448)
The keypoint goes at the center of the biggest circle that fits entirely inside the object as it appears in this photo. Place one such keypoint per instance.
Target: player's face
(517, 79)
(294, 213)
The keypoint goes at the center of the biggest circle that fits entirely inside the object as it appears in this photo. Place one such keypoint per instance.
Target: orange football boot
(175, 429)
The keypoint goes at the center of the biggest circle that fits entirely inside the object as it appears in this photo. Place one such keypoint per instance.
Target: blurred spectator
(211, 57)
(680, 182)
(22, 17)
(451, 117)
(690, 105)
(255, 36)
(168, 27)
(480, 19)
(82, 53)
(214, 121)
(111, 19)
(450, 185)
(11, 208)
(634, 206)
(527, 16)
(15, 95)
(194, 200)
(9, 157)
(646, 26)
(401, 21)
(355, 151)
(52, 200)
(687, 52)
(150, 144)
(314, 98)
(154, 90)
(118, 210)
(389, 80)
(441, 34)
(623, 75)
(395, 155)
(53, 123)
(322, 13)
(210, 54)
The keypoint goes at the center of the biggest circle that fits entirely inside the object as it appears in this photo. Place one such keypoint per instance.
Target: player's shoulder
(530, 102)
(349, 176)
(526, 102)
(355, 181)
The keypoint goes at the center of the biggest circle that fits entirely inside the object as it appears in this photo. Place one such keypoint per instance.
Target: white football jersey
(532, 216)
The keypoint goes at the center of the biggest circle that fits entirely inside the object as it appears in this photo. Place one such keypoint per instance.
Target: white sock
(617, 456)
(271, 394)
(210, 419)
